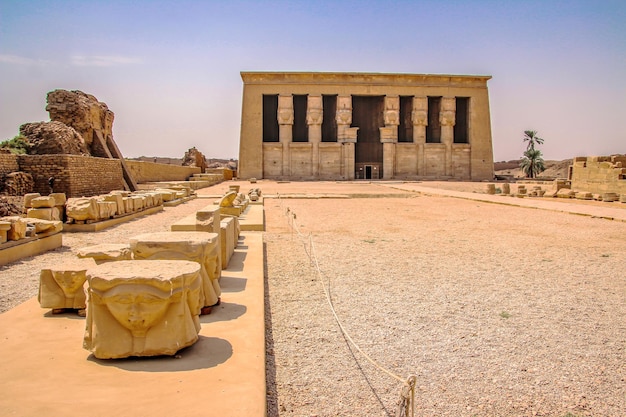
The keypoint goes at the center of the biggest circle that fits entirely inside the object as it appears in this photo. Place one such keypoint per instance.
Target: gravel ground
(497, 310)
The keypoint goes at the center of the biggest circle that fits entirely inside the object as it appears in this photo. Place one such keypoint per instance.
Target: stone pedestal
(61, 287)
(142, 308)
(201, 247)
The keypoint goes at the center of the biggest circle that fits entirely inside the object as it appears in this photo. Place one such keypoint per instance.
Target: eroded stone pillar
(314, 118)
(447, 118)
(389, 135)
(346, 135)
(420, 121)
(285, 129)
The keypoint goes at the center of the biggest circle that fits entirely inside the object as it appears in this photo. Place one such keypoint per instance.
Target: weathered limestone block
(117, 199)
(48, 227)
(82, 208)
(106, 209)
(29, 197)
(106, 252)
(44, 213)
(42, 202)
(506, 188)
(4, 229)
(208, 220)
(565, 193)
(227, 239)
(201, 247)
(142, 308)
(62, 286)
(583, 196)
(59, 199)
(167, 194)
(622, 198)
(491, 189)
(610, 197)
(157, 198)
(17, 229)
(137, 202)
(128, 205)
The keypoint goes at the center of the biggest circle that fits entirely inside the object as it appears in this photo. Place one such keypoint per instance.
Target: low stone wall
(153, 172)
(74, 175)
(599, 174)
(8, 163)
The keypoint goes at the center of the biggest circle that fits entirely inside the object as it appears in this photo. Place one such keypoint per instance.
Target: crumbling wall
(599, 174)
(144, 172)
(8, 163)
(195, 158)
(91, 118)
(74, 175)
(53, 138)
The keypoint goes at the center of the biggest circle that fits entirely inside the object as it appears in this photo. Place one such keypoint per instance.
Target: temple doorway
(368, 116)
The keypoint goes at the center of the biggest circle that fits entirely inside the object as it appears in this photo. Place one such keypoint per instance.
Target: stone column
(285, 129)
(346, 135)
(420, 121)
(389, 135)
(314, 118)
(447, 118)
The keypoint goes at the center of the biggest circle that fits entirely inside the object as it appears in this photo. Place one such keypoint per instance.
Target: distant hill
(554, 169)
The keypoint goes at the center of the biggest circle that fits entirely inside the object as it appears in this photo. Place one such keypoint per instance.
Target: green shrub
(18, 145)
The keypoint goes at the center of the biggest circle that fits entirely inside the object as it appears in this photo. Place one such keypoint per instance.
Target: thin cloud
(20, 60)
(103, 60)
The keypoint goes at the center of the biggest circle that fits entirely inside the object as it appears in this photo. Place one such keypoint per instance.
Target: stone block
(142, 308)
(118, 200)
(227, 239)
(583, 196)
(167, 194)
(106, 209)
(610, 197)
(29, 197)
(622, 198)
(59, 199)
(44, 213)
(201, 247)
(506, 188)
(82, 208)
(137, 203)
(45, 226)
(128, 205)
(106, 252)
(4, 229)
(17, 229)
(43, 202)
(491, 189)
(208, 220)
(62, 286)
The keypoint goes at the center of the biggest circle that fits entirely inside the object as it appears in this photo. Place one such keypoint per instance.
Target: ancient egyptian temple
(345, 126)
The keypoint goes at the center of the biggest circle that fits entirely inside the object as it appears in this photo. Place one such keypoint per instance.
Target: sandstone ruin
(331, 126)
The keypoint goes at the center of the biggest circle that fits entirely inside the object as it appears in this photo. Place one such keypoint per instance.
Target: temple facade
(346, 126)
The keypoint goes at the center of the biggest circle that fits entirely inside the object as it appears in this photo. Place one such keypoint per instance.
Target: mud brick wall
(74, 175)
(153, 172)
(8, 163)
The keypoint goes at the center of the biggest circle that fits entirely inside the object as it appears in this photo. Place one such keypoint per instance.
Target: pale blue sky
(169, 70)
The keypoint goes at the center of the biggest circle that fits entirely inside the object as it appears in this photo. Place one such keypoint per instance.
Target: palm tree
(532, 162)
(531, 137)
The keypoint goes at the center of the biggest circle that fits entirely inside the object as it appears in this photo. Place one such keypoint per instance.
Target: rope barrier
(406, 402)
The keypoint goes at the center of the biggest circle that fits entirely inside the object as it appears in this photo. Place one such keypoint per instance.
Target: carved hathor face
(137, 307)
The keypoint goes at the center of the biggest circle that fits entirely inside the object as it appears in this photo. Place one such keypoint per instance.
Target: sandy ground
(497, 310)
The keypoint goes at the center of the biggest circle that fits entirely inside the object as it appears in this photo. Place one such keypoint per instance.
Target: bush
(18, 145)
